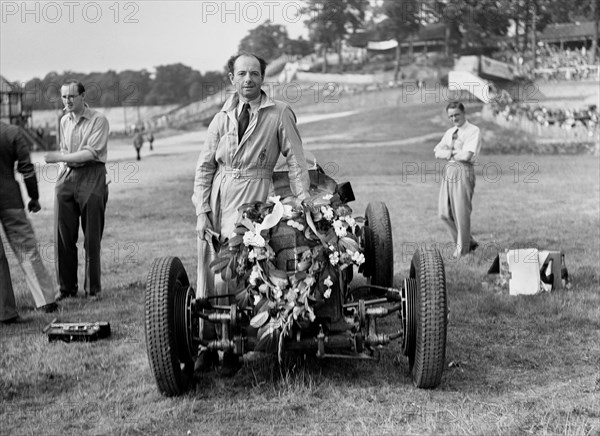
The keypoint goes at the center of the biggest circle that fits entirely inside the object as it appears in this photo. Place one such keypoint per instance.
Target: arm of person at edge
(205, 172)
(26, 168)
(291, 148)
(97, 140)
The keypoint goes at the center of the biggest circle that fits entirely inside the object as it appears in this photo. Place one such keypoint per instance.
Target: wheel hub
(183, 322)
(409, 316)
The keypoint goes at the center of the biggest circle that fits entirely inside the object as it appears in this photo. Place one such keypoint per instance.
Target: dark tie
(243, 121)
(454, 138)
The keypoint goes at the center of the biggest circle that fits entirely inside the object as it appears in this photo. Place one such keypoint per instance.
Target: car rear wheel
(425, 316)
(169, 326)
(378, 245)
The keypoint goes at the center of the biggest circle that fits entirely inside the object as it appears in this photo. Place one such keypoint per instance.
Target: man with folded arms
(460, 146)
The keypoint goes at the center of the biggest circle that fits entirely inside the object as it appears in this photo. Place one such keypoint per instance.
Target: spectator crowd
(564, 118)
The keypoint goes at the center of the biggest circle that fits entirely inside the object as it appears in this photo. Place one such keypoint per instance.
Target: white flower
(287, 210)
(327, 293)
(327, 282)
(251, 238)
(251, 254)
(334, 258)
(277, 293)
(358, 258)
(295, 224)
(327, 212)
(327, 197)
(254, 276)
(274, 199)
(351, 221)
(339, 228)
(257, 298)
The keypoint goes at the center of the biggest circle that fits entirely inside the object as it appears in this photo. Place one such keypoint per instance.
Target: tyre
(428, 355)
(378, 245)
(168, 326)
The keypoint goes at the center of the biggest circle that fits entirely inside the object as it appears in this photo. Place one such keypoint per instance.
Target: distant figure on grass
(460, 146)
(150, 140)
(18, 229)
(243, 143)
(138, 142)
(81, 190)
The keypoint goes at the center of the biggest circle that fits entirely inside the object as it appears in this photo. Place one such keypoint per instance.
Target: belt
(256, 173)
(461, 162)
(90, 163)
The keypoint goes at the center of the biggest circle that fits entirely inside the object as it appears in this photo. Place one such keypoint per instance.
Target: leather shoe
(473, 246)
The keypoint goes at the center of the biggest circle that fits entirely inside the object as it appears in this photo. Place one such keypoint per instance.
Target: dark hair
(261, 61)
(80, 87)
(456, 105)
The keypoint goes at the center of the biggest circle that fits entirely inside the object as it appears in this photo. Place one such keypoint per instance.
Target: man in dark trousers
(81, 190)
(18, 229)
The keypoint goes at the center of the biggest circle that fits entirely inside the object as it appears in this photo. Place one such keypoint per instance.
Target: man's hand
(53, 157)
(34, 206)
(204, 223)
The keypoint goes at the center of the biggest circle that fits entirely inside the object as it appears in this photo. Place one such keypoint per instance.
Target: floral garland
(325, 243)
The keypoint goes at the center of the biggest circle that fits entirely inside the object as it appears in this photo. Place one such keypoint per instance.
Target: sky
(96, 36)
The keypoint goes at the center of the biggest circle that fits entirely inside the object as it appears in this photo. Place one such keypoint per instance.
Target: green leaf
(242, 298)
(330, 237)
(261, 305)
(247, 223)
(236, 240)
(240, 230)
(348, 244)
(299, 276)
(260, 319)
(219, 264)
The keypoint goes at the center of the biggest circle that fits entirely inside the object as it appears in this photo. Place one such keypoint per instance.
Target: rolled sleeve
(291, 147)
(97, 142)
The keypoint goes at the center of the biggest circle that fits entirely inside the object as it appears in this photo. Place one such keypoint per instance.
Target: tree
(171, 84)
(298, 47)
(331, 21)
(133, 86)
(402, 20)
(266, 40)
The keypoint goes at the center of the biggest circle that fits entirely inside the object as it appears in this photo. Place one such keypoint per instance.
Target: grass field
(515, 365)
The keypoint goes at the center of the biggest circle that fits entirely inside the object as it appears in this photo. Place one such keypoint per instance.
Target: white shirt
(468, 139)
